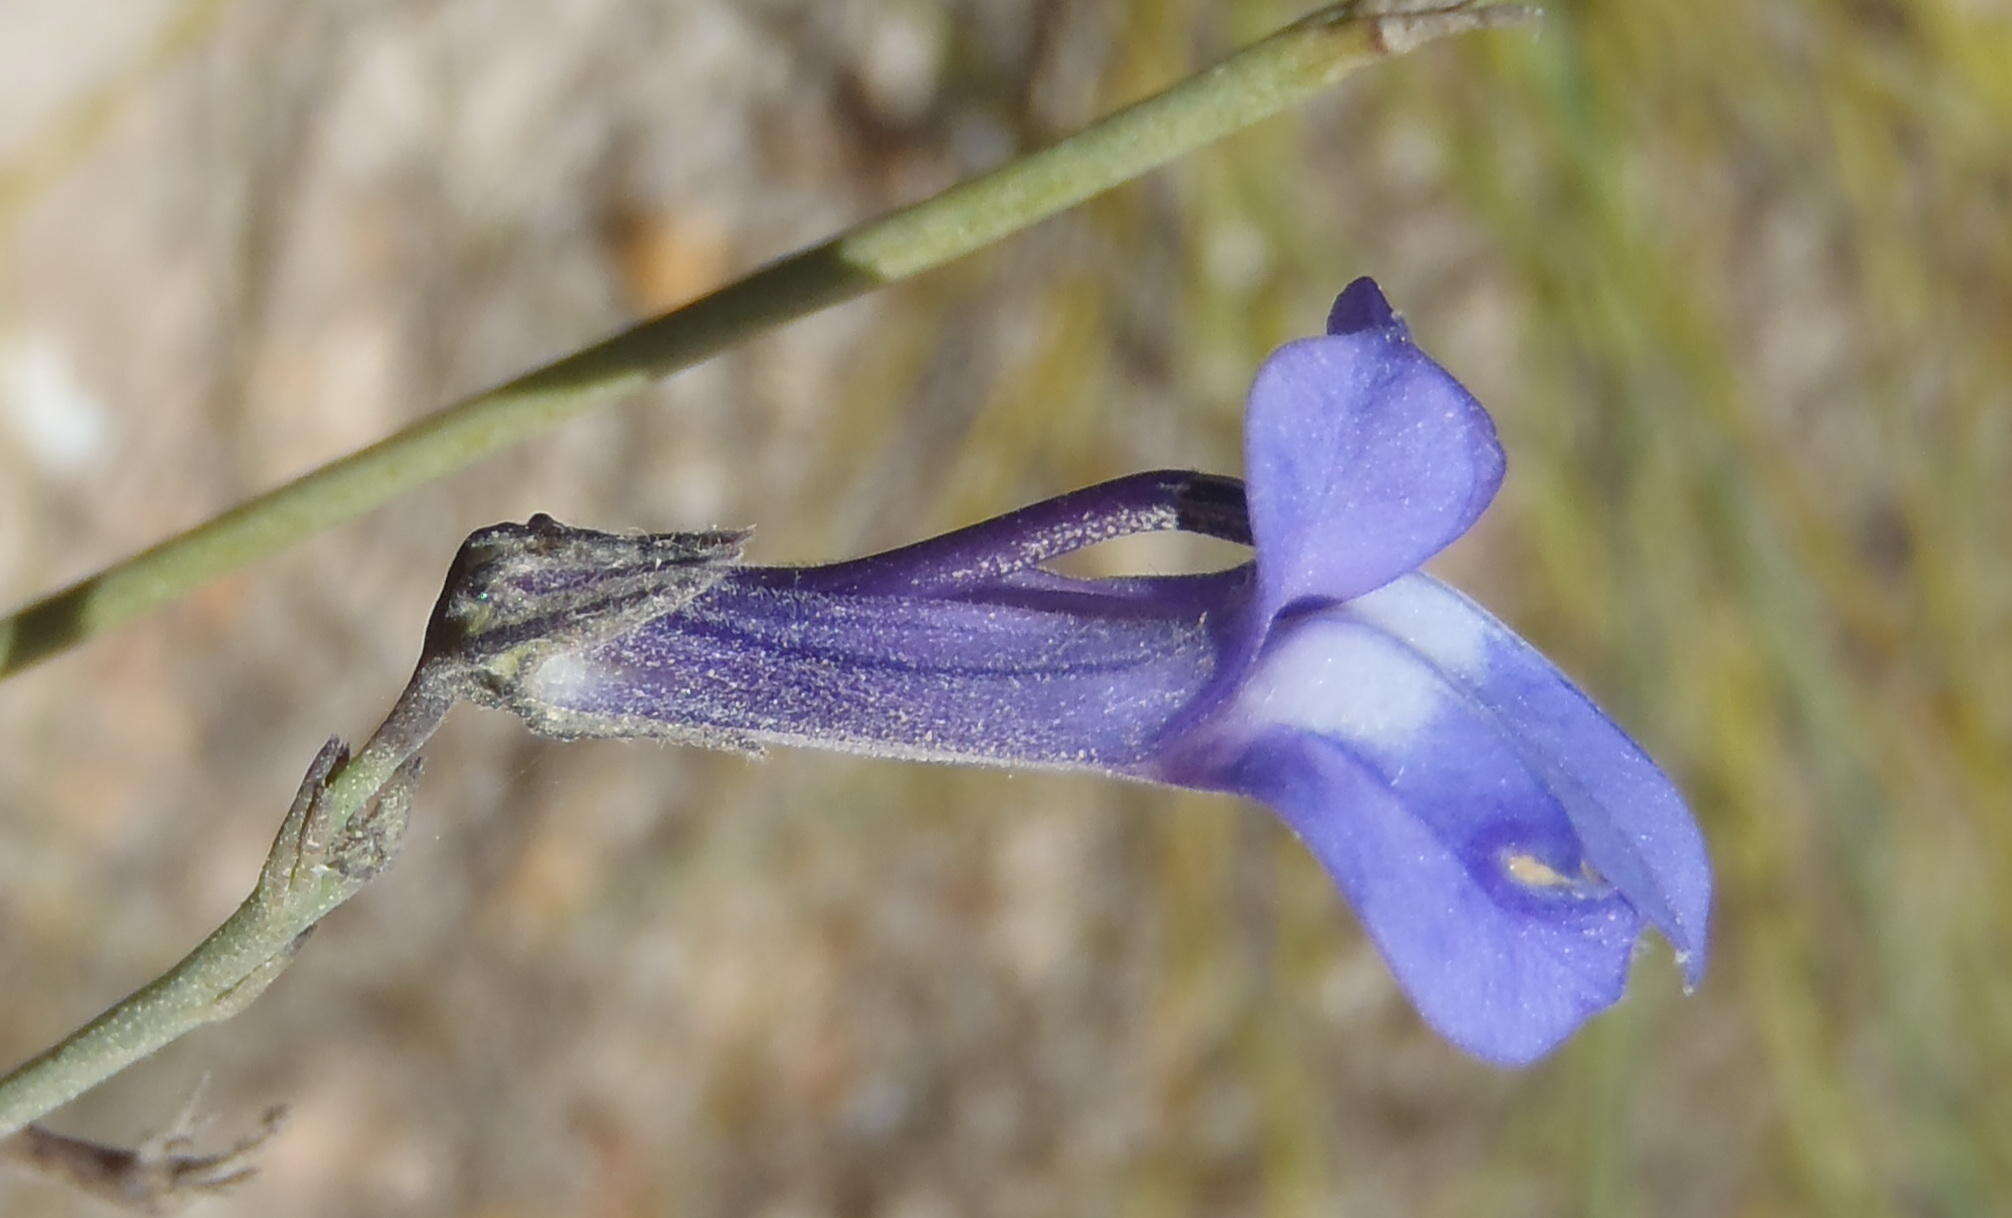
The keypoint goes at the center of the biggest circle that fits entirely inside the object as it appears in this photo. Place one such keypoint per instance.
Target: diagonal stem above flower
(1502, 840)
(1261, 79)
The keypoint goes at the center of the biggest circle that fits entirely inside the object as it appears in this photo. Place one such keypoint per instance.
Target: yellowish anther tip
(1533, 872)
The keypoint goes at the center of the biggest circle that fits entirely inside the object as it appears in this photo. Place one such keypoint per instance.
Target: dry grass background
(1735, 275)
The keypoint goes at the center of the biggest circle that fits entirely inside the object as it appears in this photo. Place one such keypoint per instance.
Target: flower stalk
(342, 829)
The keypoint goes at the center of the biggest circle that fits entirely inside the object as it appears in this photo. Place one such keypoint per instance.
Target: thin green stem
(342, 829)
(1261, 80)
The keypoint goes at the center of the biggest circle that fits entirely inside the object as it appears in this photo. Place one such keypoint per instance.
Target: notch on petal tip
(1361, 306)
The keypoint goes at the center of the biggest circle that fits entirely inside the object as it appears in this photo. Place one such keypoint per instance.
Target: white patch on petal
(1348, 683)
(1441, 624)
(564, 681)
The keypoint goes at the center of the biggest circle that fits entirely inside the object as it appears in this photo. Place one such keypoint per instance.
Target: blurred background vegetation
(1735, 276)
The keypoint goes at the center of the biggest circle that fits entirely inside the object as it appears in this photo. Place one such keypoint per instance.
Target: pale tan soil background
(1735, 276)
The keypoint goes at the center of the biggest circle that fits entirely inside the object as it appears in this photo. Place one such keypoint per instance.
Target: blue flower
(1501, 839)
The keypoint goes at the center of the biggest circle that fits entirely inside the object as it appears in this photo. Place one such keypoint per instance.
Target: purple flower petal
(1453, 840)
(1629, 817)
(1364, 458)
(1504, 974)
(1057, 676)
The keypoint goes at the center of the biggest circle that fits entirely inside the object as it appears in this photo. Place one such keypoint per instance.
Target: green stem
(1261, 80)
(330, 844)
